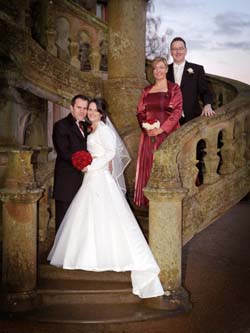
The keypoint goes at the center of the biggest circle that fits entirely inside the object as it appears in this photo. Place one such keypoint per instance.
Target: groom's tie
(81, 127)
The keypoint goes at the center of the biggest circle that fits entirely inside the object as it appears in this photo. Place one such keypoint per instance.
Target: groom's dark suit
(67, 138)
(194, 87)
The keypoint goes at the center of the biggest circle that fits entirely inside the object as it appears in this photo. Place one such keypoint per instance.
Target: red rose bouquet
(80, 159)
(151, 124)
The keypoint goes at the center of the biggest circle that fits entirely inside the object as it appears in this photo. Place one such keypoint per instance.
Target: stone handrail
(40, 72)
(181, 205)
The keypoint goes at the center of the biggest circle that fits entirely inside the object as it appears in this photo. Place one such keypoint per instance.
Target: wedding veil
(121, 159)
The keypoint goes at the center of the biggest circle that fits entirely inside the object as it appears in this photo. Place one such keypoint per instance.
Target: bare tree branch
(156, 44)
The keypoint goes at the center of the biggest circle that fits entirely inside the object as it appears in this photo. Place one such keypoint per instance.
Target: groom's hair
(178, 39)
(83, 97)
(101, 106)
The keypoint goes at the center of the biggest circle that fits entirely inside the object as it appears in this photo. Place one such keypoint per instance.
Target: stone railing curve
(38, 71)
(179, 207)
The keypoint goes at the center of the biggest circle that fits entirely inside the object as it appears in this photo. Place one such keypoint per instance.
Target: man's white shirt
(178, 72)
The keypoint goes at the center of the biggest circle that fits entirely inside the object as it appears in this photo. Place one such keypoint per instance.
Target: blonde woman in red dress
(162, 102)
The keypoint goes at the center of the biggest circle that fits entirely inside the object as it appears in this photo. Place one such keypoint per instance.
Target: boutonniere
(190, 70)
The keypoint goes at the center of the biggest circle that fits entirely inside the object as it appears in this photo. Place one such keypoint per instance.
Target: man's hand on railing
(208, 111)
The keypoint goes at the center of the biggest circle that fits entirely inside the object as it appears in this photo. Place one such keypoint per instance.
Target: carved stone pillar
(165, 194)
(165, 234)
(126, 60)
(19, 197)
(165, 239)
(19, 173)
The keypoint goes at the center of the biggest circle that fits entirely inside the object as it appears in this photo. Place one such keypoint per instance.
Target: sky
(217, 33)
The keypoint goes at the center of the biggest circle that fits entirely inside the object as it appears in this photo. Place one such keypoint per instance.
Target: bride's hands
(85, 169)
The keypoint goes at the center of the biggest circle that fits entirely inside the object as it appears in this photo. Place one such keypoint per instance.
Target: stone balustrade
(77, 37)
(184, 200)
(54, 74)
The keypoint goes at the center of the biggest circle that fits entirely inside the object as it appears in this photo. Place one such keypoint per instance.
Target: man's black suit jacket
(194, 87)
(67, 139)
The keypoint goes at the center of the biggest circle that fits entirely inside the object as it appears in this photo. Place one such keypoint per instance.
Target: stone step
(46, 271)
(53, 291)
(101, 313)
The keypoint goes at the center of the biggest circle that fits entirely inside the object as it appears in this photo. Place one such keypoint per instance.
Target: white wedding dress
(99, 231)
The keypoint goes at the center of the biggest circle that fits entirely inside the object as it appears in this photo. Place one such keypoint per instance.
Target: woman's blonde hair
(159, 59)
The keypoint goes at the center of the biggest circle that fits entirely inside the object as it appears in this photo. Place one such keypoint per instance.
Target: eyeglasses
(176, 49)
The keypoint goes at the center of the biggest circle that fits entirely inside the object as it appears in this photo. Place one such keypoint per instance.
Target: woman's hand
(155, 132)
(85, 169)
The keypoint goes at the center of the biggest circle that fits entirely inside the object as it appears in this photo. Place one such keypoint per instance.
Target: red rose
(89, 129)
(151, 121)
(80, 159)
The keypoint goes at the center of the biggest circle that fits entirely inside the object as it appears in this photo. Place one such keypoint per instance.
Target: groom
(192, 81)
(69, 135)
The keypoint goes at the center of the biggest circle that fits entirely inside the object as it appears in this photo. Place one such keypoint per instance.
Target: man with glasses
(192, 81)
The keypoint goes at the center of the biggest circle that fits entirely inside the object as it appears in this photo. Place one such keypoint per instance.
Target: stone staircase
(84, 297)
(79, 297)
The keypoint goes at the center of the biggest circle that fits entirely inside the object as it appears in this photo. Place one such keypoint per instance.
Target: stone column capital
(22, 196)
(161, 195)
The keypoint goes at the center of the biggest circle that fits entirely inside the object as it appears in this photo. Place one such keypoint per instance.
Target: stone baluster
(51, 37)
(95, 59)
(74, 52)
(228, 151)
(19, 197)
(211, 160)
(240, 144)
(189, 171)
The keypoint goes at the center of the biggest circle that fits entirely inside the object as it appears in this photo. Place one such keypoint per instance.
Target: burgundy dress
(165, 107)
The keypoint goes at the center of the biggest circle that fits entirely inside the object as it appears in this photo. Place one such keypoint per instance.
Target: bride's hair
(101, 106)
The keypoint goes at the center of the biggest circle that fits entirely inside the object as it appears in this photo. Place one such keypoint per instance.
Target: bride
(99, 231)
